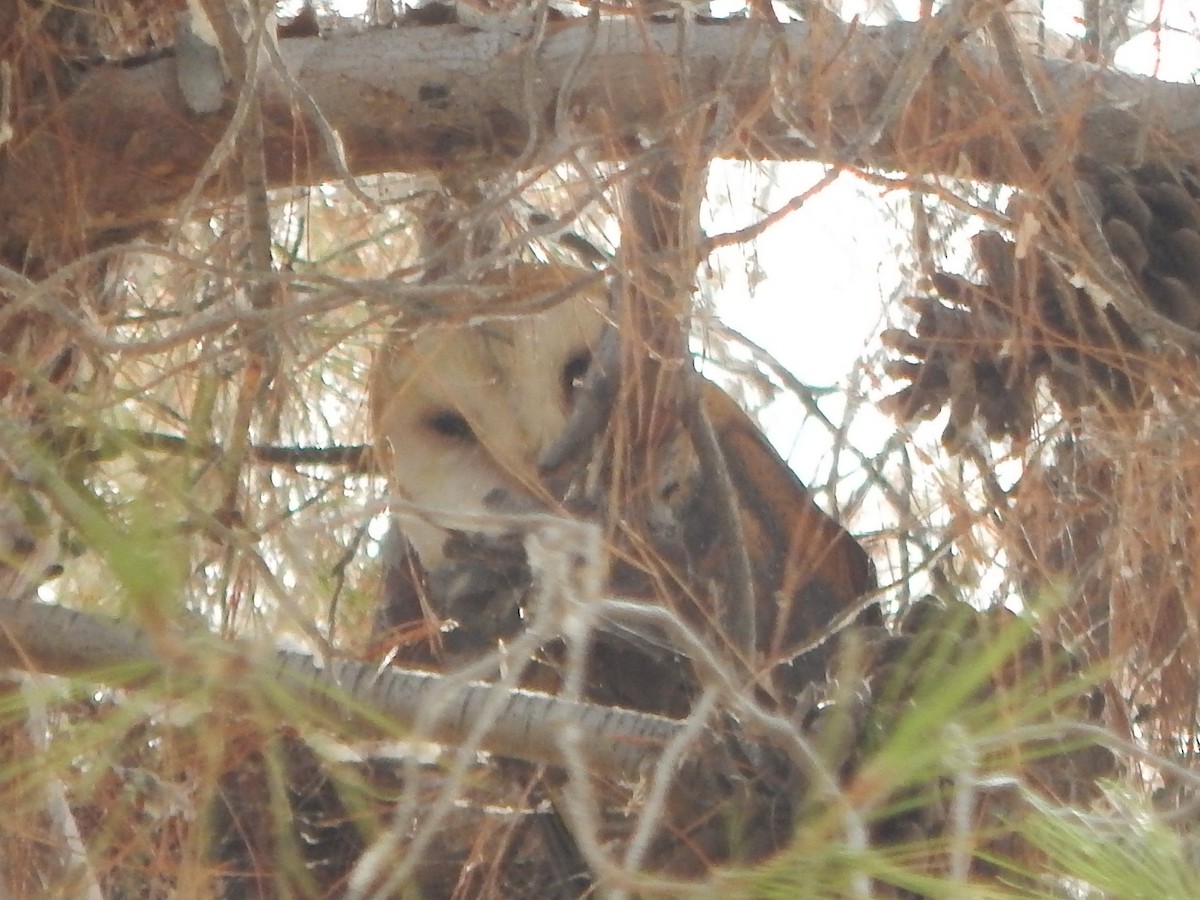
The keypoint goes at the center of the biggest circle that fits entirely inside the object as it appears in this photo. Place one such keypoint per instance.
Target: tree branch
(123, 149)
(114, 442)
(55, 640)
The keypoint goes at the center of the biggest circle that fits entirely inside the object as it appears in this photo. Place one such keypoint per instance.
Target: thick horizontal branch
(55, 640)
(528, 725)
(123, 149)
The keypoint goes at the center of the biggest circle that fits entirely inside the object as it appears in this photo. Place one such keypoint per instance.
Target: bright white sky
(810, 290)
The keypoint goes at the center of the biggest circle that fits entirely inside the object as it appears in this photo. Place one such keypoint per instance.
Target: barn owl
(464, 414)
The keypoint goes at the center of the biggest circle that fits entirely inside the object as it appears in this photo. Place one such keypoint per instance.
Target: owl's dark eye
(573, 374)
(451, 425)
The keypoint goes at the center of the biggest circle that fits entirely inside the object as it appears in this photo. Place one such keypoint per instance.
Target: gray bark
(124, 148)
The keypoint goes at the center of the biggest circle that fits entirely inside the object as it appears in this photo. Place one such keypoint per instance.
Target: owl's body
(464, 413)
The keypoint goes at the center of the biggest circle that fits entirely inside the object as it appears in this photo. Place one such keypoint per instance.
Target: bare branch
(425, 99)
(56, 640)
